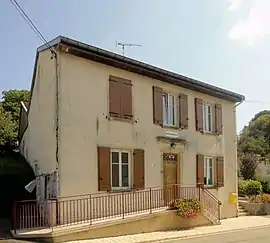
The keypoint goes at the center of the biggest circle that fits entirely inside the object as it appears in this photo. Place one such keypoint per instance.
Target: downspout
(55, 56)
(236, 172)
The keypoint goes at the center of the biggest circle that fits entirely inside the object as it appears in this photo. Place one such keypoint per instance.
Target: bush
(187, 207)
(250, 187)
(265, 187)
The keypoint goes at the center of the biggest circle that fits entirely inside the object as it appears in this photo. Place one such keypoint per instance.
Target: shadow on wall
(15, 174)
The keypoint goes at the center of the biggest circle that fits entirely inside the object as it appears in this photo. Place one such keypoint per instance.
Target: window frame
(207, 169)
(211, 130)
(120, 151)
(175, 109)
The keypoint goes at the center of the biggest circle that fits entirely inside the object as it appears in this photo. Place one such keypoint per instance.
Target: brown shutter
(157, 106)
(200, 170)
(138, 169)
(104, 169)
(183, 111)
(220, 171)
(218, 119)
(126, 100)
(114, 98)
(199, 114)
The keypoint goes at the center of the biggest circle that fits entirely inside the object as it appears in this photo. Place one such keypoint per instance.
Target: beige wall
(83, 127)
(38, 142)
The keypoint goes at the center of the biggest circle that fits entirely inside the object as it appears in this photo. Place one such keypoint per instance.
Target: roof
(112, 59)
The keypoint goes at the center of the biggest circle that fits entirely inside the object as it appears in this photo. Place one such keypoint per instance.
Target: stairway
(241, 210)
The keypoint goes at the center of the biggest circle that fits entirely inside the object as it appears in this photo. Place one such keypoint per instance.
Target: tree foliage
(255, 138)
(9, 117)
(248, 165)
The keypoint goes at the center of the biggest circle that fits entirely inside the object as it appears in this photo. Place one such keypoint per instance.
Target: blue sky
(223, 42)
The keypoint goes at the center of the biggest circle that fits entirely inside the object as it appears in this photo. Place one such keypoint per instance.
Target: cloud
(234, 4)
(256, 25)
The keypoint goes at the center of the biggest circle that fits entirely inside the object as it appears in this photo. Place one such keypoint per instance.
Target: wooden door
(170, 177)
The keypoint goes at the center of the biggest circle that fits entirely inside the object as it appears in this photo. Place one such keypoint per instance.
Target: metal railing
(88, 209)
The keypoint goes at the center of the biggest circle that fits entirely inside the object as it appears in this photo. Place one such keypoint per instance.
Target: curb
(203, 234)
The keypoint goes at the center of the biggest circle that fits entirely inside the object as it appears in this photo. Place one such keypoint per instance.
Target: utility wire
(24, 15)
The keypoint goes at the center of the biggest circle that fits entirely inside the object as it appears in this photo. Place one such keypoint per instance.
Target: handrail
(212, 196)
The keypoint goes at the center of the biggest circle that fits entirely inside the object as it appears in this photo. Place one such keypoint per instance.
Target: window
(169, 110)
(208, 171)
(120, 169)
(207, 118)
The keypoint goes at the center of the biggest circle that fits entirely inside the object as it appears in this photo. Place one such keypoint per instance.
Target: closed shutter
(126, 100)
(200, 170)
(199, 114)
(157, 106)
(220, 171)
(104, 169)
(218, 119)
(183, 111)
(138, 169)
(114, 98)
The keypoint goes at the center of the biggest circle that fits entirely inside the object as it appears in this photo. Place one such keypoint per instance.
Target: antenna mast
(123, 45)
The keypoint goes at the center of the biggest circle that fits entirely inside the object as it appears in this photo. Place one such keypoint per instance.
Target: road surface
(259, 235)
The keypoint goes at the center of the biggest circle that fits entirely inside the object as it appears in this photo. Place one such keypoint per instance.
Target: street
(259, 235)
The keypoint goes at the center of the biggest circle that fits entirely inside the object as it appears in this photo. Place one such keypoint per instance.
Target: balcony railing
(92, 208)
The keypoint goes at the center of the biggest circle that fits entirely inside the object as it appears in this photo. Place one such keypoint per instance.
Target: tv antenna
(123, 45)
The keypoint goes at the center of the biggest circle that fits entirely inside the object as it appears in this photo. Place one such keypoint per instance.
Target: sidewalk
(227, 225)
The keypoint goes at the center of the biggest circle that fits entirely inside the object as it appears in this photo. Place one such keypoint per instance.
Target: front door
(170, 179)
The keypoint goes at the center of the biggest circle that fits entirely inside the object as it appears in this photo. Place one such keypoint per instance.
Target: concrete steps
(241, 210)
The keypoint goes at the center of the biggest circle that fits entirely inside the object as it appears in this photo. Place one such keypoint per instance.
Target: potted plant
(187, 208)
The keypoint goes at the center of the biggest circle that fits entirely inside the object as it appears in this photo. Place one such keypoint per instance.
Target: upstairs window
(170, 111)
(207, 118)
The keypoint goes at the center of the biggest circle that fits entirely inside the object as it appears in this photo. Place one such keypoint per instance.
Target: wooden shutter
(104, 169)
(200, 170)
(199, 114)
(220, 171)
(218, 119)
(157, 106)
(183, 111)
(126, 100)
(114, 98)
(138, 169)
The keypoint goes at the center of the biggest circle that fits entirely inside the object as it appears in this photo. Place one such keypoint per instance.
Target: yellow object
(232, 198)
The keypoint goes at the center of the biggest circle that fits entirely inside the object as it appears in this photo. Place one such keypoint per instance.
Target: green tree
(9, 117)
(255, 138)
(7, 130)
(12, 102)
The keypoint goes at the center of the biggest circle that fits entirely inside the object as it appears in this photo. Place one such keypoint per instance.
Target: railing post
(199, 192)
(14, 217)
(90, 206)
(150, 200)
(123, 206)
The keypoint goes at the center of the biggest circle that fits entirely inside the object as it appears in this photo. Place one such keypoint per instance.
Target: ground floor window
(208, 171)
(120, 169)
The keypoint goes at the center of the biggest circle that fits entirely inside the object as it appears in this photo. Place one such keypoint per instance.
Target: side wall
(38, 144)
(84, 126)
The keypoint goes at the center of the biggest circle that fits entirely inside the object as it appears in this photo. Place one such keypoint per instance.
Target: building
(101, 122)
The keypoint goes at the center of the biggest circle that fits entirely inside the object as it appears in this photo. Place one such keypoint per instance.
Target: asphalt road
(259, 235)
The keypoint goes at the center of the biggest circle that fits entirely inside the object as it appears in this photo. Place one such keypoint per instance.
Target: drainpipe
(55, 56)
(236, 189)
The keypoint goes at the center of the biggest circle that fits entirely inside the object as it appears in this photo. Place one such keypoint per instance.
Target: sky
(222, 42)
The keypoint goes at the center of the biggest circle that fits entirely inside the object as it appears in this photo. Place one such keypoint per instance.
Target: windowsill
(170, 127)
(128, 120)
(116, 190)
(210, 187)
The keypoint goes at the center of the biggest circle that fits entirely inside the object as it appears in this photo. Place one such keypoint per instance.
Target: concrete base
(161, 221)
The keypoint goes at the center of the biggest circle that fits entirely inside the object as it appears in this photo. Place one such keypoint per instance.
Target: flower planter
(256, 208)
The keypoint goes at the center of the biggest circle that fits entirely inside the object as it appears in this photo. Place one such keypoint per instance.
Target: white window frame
(170, 110)
(120, 151)
(208, 128)
(207, 170)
